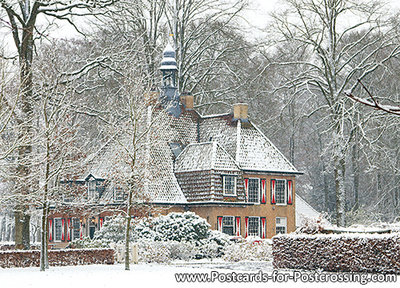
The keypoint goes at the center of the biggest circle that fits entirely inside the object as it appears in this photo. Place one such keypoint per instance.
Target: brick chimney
(187, 100)
(240, 111)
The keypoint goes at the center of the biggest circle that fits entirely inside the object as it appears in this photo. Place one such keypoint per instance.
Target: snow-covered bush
(86, 242)
(248, 250)
(182, 236)
(213, 246)
(113, 230)
(310, 225)
(154, 252)
(180, 227)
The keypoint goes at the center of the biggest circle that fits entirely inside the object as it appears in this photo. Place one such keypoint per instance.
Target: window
(280, 227)
(229, 185)
(119, 195)
(254, 190)
(92, 189)
(228, 225)
(58, 229)
(76, 228)
(254, 226)
(280, 192)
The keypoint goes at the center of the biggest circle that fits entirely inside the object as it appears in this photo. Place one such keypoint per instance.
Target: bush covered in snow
(248, 250)
(176, 236)
(86, 242)
(180, 227)
(166, 251)
(311, 225)
(113, 230)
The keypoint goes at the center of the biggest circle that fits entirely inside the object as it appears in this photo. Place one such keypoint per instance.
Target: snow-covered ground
(147, 275)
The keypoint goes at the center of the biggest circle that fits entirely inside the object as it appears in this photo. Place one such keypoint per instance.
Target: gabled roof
(244, 142)
(256, 152)
(205, 156)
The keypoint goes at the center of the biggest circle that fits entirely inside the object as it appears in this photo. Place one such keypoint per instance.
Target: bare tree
(373, 102)
(335, 61)
(22, 18)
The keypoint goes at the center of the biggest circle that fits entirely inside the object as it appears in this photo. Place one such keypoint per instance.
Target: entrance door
(92, 229)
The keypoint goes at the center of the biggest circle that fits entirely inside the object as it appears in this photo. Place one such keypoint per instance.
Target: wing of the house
(305, 210)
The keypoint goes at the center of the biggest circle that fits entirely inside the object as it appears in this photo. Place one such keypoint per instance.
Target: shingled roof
(205, 156)
(251, 149)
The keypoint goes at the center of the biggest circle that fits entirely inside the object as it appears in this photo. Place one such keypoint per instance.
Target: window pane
(254, 226)
(254, 190)
(280, 226)
(76, 226)
(57, 229)
(119, 194)
(280, 191)
(229, 185)
(227, 225)
(92, 189)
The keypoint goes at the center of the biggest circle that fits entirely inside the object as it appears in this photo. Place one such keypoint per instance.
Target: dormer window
(229, 185)
(119, 194)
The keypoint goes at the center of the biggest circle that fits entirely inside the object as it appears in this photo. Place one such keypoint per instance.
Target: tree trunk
(128, 226)
(340, 191)
(356, 174)
(43, 246)
(22, 220)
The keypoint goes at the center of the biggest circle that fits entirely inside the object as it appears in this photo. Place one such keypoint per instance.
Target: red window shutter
(69, 229)
(273, 183)
(237, 225)
(62, 229)
(289, 192)
(246, 226)
(263, 192)
(50, 229)
(263, 227)
(219, 223)
(246, 188)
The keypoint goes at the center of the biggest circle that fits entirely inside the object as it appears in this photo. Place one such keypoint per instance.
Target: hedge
(64, 257)
(338, 253)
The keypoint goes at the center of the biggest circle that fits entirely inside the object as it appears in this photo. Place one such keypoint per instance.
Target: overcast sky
(257, 16)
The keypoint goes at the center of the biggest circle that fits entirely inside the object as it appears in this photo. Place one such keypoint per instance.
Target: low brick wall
(338, 253)
(65, 257)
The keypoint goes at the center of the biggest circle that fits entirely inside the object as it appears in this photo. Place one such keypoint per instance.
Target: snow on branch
(373, 102)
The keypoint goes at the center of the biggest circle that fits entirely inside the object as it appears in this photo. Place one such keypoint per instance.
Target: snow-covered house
(221, 167)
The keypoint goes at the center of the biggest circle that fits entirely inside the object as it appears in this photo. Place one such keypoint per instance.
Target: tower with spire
(169, 96)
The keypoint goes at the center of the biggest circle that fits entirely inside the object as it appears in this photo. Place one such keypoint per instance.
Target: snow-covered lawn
(147, 276)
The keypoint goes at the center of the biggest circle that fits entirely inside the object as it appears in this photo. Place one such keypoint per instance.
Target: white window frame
(259, 190)
(234, 185)
(259, 226)
(282, 223)
(284, 192)
(233, 224)
(55, 229)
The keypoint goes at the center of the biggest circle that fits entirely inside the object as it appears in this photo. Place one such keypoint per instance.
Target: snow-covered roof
(168, 62)
(304, 210)
(256, 152)
(251, 149)
(205, 156)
